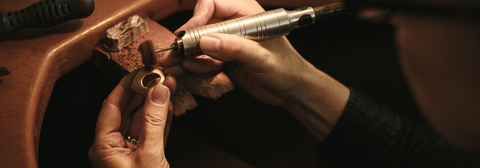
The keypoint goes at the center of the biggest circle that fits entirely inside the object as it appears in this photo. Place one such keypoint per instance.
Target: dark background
(236, 130)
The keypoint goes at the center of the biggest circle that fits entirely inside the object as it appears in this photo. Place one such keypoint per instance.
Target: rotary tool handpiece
(46, 13)
(257, 27)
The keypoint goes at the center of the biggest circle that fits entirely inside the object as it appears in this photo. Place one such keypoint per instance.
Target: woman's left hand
(123, 114)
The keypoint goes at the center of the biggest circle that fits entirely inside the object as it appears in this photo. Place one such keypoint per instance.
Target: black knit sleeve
(371, 135)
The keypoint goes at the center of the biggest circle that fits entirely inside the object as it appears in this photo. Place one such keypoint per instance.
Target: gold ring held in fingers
(138, 82)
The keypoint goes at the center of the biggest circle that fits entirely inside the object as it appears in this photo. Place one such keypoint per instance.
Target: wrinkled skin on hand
(145, 117)
(270, 70)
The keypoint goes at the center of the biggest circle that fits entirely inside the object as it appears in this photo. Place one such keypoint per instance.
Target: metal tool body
(257, 27)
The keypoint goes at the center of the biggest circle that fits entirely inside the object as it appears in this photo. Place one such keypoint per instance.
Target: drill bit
(173, 46)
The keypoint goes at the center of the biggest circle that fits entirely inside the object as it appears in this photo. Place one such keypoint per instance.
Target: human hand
(145, 117)
(268, 70)
(208, 12)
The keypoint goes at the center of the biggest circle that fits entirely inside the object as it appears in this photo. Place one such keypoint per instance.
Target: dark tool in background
(261, 26)
(46, 13)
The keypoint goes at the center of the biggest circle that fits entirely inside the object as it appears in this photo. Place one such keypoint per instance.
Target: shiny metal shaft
(265, 25)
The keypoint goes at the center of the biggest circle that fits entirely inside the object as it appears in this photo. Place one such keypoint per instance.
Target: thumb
(227, 47)
(155, 114)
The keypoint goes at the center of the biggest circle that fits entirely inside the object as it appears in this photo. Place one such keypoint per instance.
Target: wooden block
(124, 33)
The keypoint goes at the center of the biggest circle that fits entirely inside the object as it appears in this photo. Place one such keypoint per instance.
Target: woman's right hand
(270, 70)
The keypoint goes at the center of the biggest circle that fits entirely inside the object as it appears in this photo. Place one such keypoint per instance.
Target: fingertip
(175, 71)
(195, 21)
(171, 83)
(170, 58)
(202, 65)
(160, 94)
(234, 48)
(226, 47)
(209, 44)
(176, 31)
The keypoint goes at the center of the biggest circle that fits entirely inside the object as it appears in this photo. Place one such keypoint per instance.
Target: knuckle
(214, 65)
(154, 119)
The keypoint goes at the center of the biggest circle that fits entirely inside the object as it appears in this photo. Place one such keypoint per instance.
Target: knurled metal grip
(257, 27)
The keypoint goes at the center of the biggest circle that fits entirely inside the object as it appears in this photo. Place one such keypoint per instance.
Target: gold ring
(131, 140)
(140, 84)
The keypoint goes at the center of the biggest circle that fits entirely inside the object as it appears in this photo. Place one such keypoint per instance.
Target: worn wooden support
(37, 58)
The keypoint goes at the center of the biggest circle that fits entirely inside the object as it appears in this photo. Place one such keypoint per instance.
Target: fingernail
(160, 95)
(209, 44)
(4, 71)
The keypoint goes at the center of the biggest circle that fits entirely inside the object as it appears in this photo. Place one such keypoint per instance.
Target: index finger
(170, 58)
(201, 15)
(110, 116)
(206, 10)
